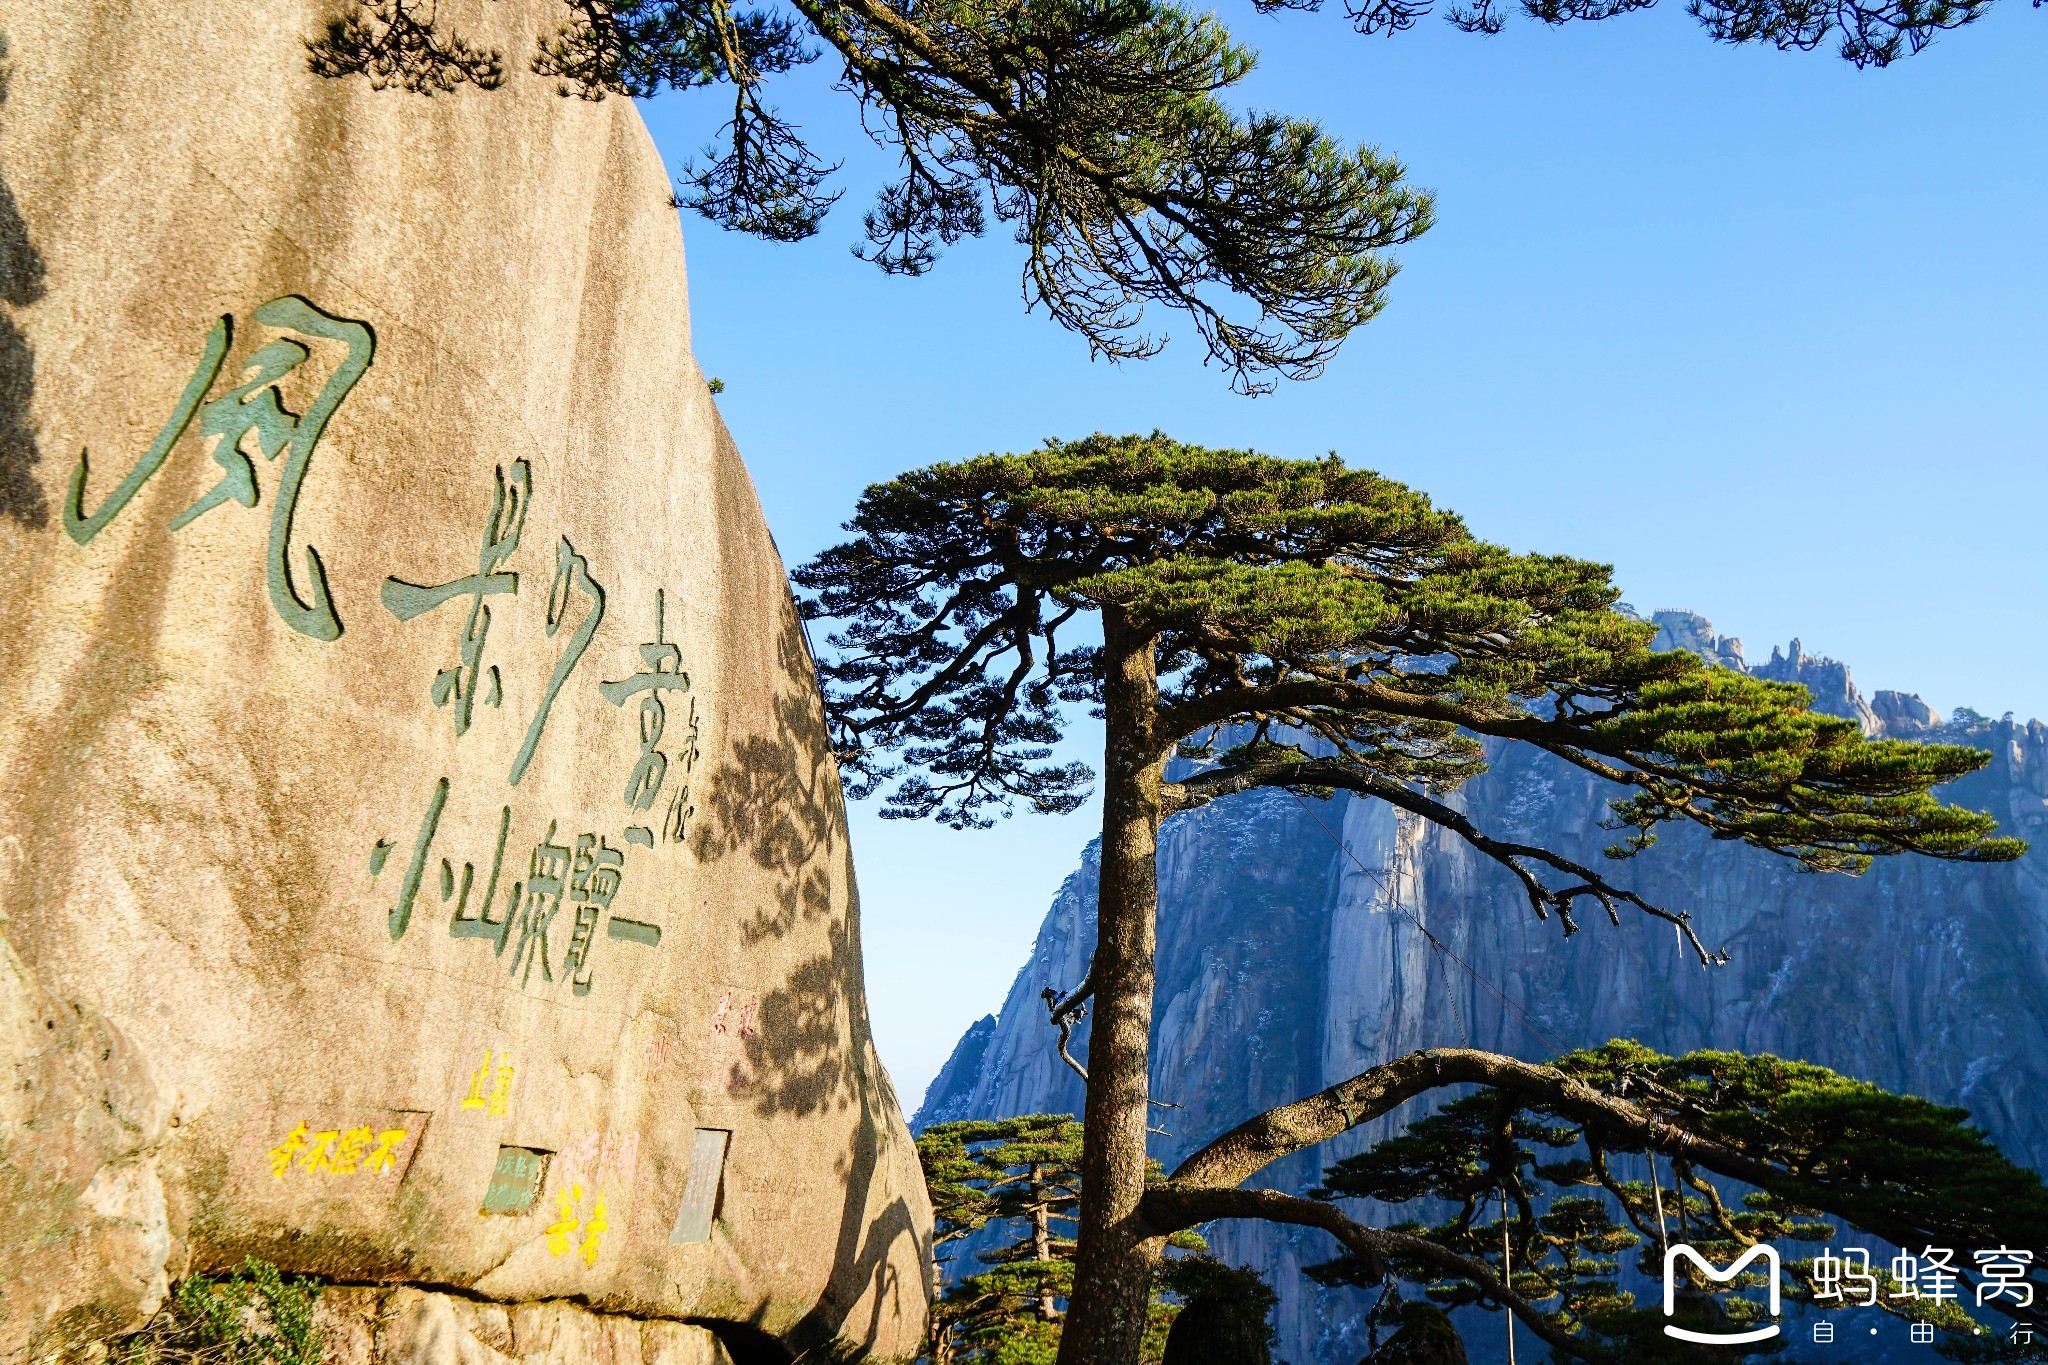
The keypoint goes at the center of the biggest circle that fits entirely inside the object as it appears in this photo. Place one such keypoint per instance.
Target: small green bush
(253, 1316)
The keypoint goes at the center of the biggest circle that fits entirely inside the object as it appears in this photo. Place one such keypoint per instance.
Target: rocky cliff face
(1292, 955)
(425, 863)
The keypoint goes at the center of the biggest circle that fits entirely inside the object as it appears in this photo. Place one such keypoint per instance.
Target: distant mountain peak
(1886, 715)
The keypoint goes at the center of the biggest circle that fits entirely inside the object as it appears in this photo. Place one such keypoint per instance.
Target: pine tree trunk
(1041, 1240)
(939, 1331)
(1113, 1259)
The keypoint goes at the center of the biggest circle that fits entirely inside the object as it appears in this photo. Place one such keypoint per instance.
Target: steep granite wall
(1287, 963)
(425, 862)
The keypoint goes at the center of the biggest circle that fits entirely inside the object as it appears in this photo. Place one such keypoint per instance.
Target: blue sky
(1763, 331)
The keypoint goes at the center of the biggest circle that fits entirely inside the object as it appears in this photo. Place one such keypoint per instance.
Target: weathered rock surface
(415, 1327)
(425, 862)
(81, 1127)
(1287, 963)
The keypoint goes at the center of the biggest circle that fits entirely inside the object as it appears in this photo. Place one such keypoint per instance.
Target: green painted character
(458, 685)
(463, 924)
(253, 408)
(594, 879)
(400, 914)
(572, 575)
(83, 528)
(455, 886)
(539, 898)
(662, 673)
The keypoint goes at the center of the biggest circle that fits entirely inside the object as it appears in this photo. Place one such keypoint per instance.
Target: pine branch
(1171, 1207)
(1265, 1138)
(1329, 773)
(1094, 127)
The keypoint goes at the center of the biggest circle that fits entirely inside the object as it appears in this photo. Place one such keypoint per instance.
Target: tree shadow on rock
(802, 1060)
(21, 283)
(777, 801)
(865, 1249)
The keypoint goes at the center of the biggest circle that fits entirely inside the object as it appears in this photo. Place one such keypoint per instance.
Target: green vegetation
(1313, 628)
(1020, 1177)
(1096, 129)
(1571, 1173)
(252, 1316)
(1541, 1180)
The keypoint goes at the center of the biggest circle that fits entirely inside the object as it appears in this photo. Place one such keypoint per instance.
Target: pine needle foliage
(1579, 1206)
(397, 44)
(1864, 34)
(1022, 1176)
(1097, 130)
(251, 1316)
(1305, 626)
(1017, 1183)
(1346, 634)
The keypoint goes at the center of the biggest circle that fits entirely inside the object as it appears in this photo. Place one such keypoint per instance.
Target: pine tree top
(1365, 636)
(980, 1171)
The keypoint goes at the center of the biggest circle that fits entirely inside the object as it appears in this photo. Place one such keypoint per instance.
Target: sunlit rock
(424, 860)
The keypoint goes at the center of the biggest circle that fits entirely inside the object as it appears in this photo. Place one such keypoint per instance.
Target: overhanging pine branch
(1256, 1143)
(1335, 772)
(1172, 1206)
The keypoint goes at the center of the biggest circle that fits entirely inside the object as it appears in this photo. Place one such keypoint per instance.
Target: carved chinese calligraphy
(253, 409)
(572, 577)
(457, 686)
(661, 672)
(574, 1217)
(585, 877)
(572, 591)
(329, 576)
(515, 1180)
(700, 1194)
(726, 1060)
(610, 1156)
(490, 1085)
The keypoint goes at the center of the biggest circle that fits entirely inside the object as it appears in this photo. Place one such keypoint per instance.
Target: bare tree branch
(1065, 1014)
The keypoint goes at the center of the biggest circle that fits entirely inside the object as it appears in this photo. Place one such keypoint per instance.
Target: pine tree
(1095, 128)
(1345, 634)
(1021, 1178)
(1021, 1174)
(1539, 1184)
